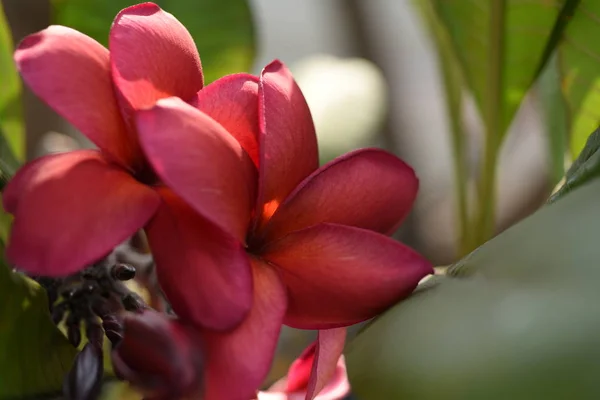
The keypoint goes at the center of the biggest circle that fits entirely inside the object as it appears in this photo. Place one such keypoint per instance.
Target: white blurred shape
(347, 99)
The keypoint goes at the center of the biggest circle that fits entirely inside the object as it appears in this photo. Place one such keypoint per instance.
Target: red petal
(368, 188)
(288, 145)
(299, 373)
(204, 272)
(72, 209)
(153, 56)
(70, 72)
(330, 345)
(201, 162)
(232, 101)
(339, 275)
(239, 361)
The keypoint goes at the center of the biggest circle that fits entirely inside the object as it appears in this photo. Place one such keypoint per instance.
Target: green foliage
(584, 169)
(34, 355)
(222, 29)
(517, 319)
(12, 130)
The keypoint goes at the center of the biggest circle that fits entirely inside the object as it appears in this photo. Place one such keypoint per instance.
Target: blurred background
(371, 77)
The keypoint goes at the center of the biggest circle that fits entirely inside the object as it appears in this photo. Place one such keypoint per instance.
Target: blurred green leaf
(12, 130)
(34, 355)
(521, 322)
(222, 29)
(502, 46)
(580, 65)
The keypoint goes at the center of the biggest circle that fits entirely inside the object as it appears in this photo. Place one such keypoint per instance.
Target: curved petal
(287, 141)
(369, 188)
(204, 273)
(239, 361)
(339, 275)
(201, 162)
(329, 348)
(232, 101)
(153, 56)
(71, 72)
(72, 209)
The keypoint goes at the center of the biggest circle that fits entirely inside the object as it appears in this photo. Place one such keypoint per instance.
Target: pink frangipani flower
(295, 386)
(315, 237)
(72, 209)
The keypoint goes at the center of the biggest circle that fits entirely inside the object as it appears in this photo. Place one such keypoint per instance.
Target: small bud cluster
(95, 297)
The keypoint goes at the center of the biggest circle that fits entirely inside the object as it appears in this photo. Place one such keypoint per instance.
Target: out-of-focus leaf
(555, 114)
(12, 131)
(521, 321)
(34, 355)
(222, 29)
(502, 46)
(584, 169)
(580, 65)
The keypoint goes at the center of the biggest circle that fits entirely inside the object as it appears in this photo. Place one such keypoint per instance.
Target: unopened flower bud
(84, 381)
(159, 355)
(122, 272)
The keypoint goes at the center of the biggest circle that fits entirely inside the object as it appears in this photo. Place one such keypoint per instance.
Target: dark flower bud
(84, 380)
(113, 329)
(132, 302)
(159, 355)
(94, 333)
(122, 272)
(74, 335)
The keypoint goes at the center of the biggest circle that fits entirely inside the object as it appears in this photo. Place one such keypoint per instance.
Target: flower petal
(153, 56)
(232, 101)
(288, 144)
(72, 209)
(239, 361)
(339, 275)
(204, 273)
(71, 72)
(330, 345)
(368, 188)
(201, 162)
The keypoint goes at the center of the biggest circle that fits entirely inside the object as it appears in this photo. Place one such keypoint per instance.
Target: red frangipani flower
(315, 237)
(72, 209)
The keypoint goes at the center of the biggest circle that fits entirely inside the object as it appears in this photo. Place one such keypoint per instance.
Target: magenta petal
(239, 361)
(330, 345)
(204, 273)
(153, 56)
(368, 188)
(288, 144)
(232, 101)
(339, 275)
(71, 72)
(72, 209)
(201, 162)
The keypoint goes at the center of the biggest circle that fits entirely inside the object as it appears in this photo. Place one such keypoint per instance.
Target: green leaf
(521, 322)
(502, 46)
(12, 130)
(222, 29)
(580, 65)
(584, 169)
(34, 355)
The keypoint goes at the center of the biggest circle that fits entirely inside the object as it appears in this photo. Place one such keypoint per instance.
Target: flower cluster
(247, 232)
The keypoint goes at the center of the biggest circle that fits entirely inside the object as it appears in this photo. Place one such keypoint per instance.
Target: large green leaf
(521, 322)
(12, 131)
(222, 29)
(34, 355)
